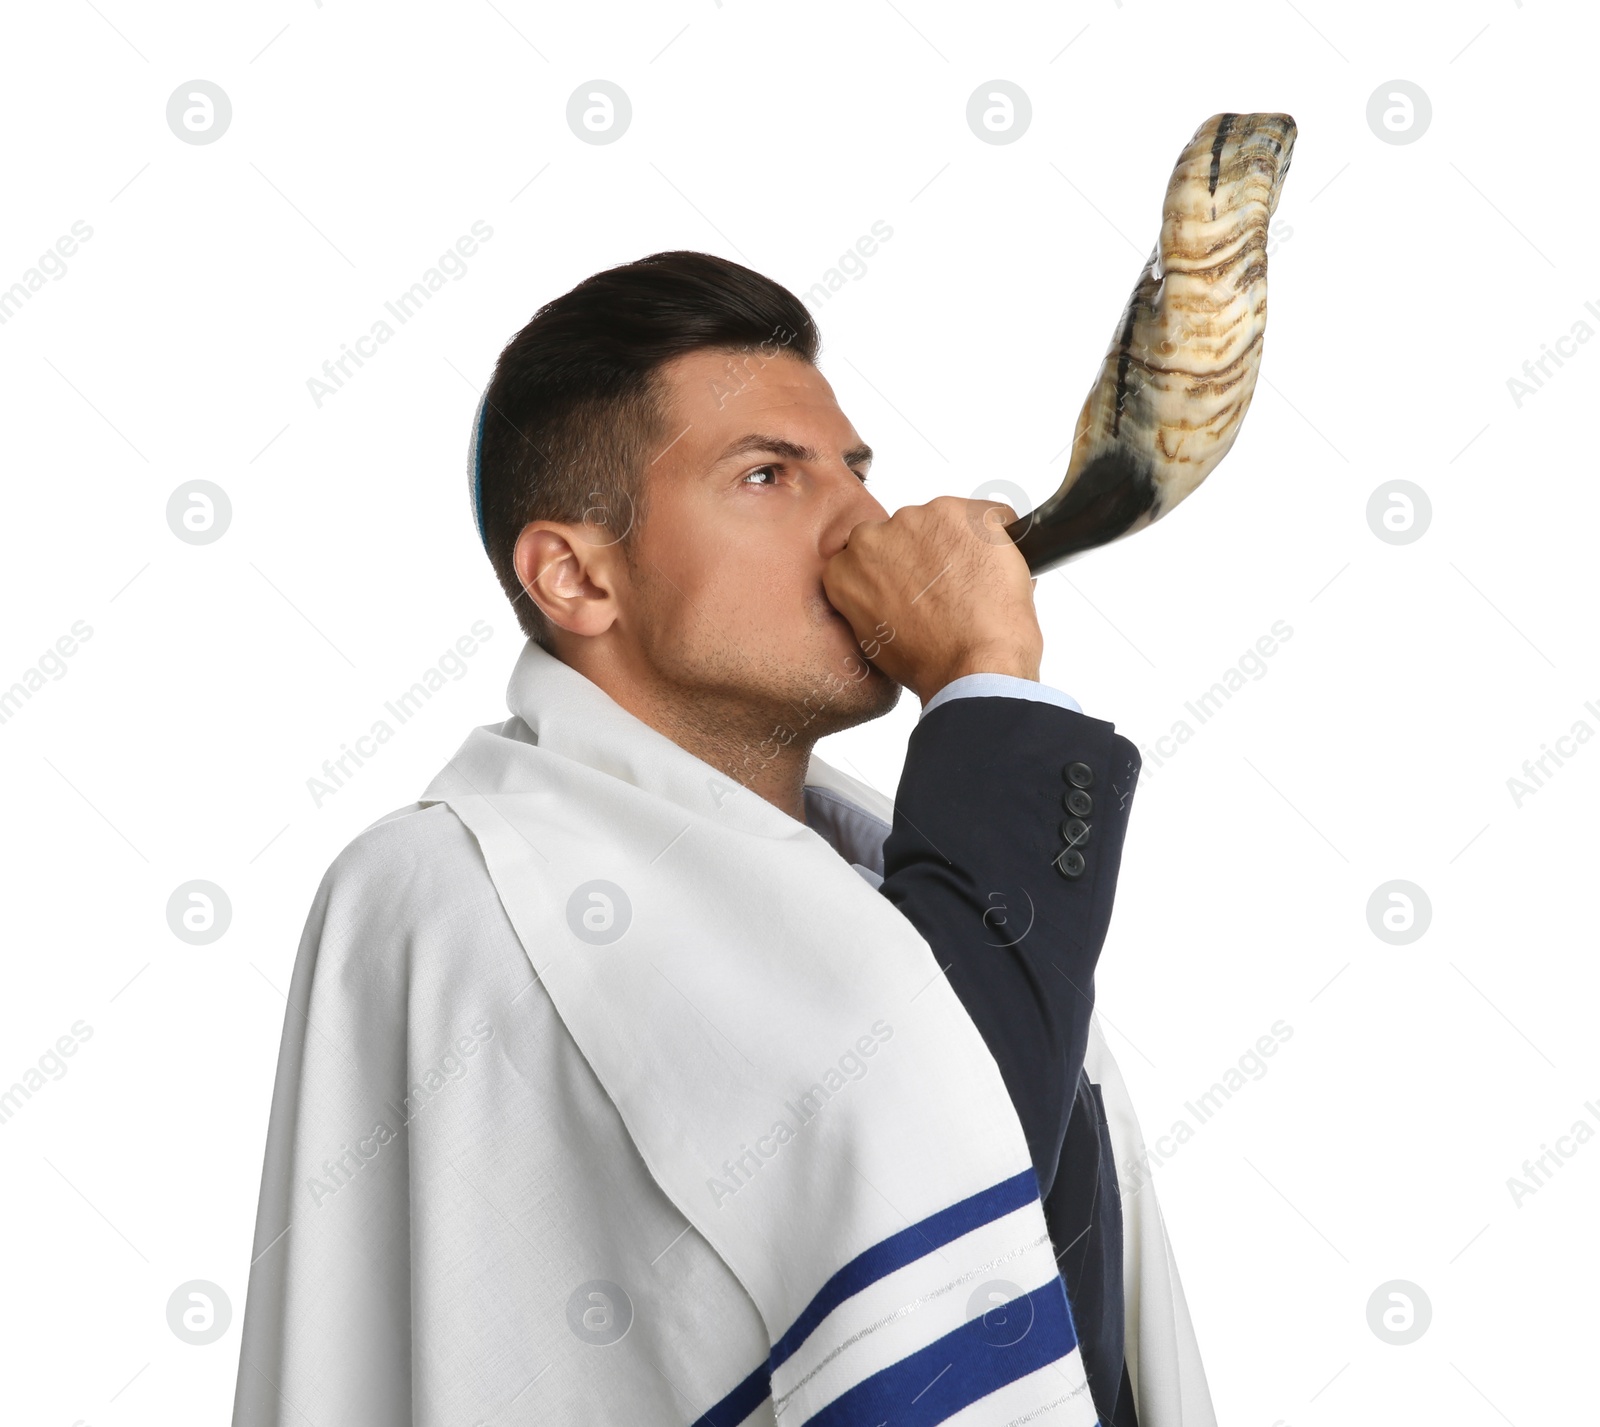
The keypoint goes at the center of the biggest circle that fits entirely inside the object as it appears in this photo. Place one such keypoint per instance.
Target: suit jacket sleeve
(978, 859)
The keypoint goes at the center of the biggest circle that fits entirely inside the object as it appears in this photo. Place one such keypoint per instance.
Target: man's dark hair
(575, 412)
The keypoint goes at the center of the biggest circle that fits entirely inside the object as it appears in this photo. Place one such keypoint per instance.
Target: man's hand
(951, 586)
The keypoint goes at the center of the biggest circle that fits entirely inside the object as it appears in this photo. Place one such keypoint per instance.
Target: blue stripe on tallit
(878, 1262)
(954, 1371)
(907, 1246)
(739, 1403)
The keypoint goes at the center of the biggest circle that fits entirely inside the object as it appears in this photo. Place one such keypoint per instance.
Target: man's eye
(860, 475)
(759, 469)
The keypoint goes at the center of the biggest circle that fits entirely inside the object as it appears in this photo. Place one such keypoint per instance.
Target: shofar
(1177, 380)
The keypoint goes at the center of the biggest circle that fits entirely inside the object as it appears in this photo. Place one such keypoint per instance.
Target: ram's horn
(1178, 378)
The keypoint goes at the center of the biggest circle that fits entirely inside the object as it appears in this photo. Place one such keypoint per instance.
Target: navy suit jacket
(1007, 838)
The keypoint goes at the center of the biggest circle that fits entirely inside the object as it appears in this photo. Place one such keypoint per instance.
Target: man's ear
(570, 578)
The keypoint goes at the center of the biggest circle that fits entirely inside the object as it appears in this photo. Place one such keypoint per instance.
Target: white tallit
(611, 1094)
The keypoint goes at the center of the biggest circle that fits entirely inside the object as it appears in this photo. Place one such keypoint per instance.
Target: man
(585, 985)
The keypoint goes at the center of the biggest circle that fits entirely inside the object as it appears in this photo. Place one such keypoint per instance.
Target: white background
(1408, 283)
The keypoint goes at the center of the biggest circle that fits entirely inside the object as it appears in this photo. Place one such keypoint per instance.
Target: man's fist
(951, 585)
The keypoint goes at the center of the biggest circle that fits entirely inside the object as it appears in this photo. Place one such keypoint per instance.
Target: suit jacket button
(1070, 864)
(1078, 803)
(1080, 775)
(1076, 832)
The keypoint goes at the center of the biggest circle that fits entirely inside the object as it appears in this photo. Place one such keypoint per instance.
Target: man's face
(758, 484)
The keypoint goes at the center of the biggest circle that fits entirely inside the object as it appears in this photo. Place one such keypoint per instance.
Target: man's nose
(848, 505)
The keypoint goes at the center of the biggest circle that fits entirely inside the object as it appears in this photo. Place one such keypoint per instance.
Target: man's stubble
(727, 696)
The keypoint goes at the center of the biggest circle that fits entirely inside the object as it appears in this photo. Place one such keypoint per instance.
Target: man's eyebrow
(776, 445)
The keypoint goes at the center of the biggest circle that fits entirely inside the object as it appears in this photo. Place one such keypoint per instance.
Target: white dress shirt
(1002, 686)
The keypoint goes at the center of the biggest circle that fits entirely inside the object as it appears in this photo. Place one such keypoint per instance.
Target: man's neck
(765, 765)
(759, 751)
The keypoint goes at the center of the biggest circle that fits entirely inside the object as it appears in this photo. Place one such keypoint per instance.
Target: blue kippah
(475, 468)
